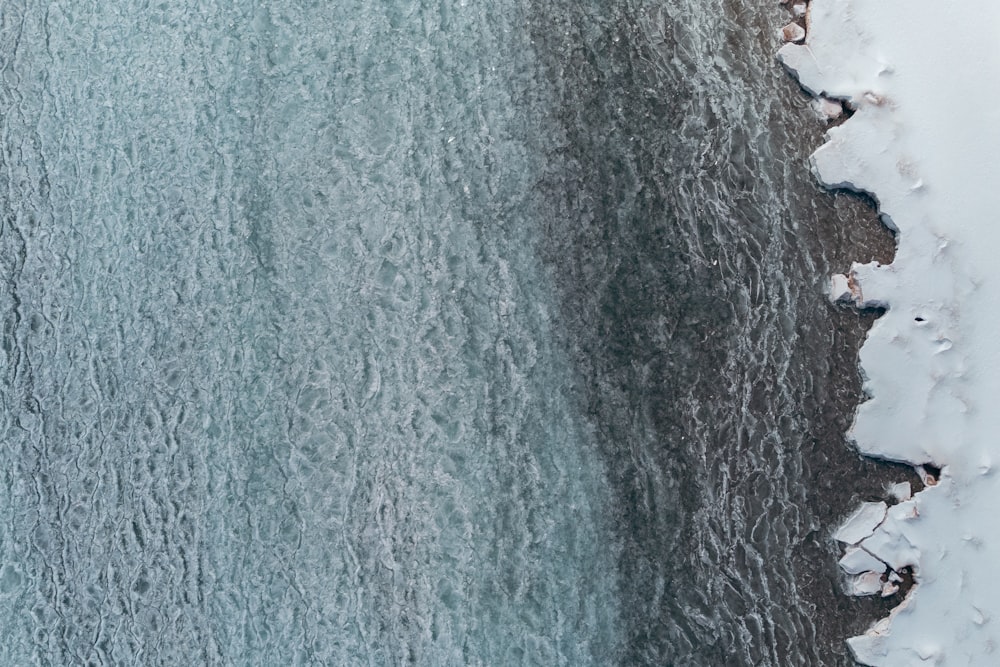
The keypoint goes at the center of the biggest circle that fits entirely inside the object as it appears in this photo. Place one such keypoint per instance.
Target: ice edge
(918, 370)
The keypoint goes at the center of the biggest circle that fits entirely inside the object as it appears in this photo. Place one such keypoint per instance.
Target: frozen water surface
(923, 141)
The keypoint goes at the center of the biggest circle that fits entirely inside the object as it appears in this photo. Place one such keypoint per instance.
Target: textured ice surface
(924, 142)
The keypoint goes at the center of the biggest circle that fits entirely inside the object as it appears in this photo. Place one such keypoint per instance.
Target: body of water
(406, 332)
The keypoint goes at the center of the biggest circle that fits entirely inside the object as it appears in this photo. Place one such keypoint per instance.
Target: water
(419, 333)
(690, 248)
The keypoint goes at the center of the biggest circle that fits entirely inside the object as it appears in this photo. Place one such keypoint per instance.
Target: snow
(900, 491)
(862, 523)
(827, 109)
(868, 583)
(840, 288)
(924, 142)
(858, 561)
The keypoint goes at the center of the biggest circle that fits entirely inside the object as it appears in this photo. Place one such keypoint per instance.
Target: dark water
(690, 248)
(420, 333)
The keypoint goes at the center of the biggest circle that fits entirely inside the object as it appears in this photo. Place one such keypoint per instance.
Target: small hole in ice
(933, 474)
(918, 319)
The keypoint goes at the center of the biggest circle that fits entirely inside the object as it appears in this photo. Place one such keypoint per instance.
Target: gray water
(434, 333)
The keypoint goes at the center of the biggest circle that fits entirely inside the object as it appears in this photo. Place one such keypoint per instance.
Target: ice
(840, 288)
(901, 491)
(857, 561)
(827, 109)
(862, 523)
(890, 541)
(889, 589)
(793, 32)
(868, 583)
(923, 142)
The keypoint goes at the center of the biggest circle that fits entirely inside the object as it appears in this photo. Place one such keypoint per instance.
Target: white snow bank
(925, 142)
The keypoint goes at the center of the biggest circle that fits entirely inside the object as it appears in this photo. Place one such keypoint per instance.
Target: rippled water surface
(434, 333)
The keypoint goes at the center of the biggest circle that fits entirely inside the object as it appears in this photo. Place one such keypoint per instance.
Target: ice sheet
(924, 142)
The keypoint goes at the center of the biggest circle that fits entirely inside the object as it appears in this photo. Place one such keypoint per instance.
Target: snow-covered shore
(924, 141)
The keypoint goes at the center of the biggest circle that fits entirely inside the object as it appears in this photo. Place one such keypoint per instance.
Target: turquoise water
(433, 333)
(279, 380)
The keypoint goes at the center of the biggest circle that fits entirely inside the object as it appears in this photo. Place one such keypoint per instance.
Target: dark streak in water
(690, 247)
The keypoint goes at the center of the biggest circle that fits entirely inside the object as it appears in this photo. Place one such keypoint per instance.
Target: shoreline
(919, 152)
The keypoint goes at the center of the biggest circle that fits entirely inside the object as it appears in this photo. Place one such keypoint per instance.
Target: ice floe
(901, 491)
(862, 523)
(793, 32)
(857, 560)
